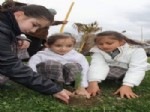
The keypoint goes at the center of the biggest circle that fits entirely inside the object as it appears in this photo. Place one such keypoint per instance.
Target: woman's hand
(82, 91)
(63, 95)
(93, 88)
(23, 44)
(126, 91)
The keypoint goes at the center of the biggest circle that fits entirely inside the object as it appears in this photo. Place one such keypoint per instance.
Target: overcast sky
(130, 15)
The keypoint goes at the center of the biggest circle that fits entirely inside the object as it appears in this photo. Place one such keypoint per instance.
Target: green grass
(17, 98)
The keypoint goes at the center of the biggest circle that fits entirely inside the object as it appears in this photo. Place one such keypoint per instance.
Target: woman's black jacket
(13, 67)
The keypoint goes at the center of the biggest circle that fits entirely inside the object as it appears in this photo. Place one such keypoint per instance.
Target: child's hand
(82, 91)
(63, 95)
(93, 88)
(126, 91)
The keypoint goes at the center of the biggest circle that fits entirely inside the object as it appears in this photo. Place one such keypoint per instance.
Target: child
(13, 22)
(115, 57)
(60, 62)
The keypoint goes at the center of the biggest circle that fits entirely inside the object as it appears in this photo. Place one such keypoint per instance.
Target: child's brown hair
(53, 38)
(117, 36)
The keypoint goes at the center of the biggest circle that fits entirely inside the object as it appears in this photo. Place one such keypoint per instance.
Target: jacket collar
(47, 51)
(9, 20)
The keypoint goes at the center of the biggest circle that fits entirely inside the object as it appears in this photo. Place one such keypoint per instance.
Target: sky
(133, 16)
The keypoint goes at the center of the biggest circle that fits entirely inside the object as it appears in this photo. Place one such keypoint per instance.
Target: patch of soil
(79, 101)
(82, 102)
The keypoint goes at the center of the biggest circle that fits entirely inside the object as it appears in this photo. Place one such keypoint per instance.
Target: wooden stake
(67, 15)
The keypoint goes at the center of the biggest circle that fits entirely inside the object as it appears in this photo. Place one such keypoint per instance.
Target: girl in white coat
(61, 63)
(116, 57)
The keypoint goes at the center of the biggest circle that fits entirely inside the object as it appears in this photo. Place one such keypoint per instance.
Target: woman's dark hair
(34, 11)
(37, 11)
(53, 38)
(9, 5)
(117, 36)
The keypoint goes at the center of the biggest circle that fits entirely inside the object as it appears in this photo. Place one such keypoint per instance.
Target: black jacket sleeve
(13, 68)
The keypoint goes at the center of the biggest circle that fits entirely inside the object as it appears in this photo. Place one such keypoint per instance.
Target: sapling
(78, 80)
(78, 99)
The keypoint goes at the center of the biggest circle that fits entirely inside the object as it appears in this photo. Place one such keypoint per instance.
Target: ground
(17, 98)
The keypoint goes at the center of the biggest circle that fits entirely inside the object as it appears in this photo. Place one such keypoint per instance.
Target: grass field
(16, 98)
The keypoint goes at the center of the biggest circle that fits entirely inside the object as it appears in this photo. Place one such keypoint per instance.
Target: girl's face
(28, 24)
(62, 46)
(108, 44)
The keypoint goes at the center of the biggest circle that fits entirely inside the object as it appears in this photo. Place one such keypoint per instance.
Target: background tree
(88, 32)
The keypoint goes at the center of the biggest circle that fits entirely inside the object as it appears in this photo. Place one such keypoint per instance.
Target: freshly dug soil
(82, 102)
(79, 101)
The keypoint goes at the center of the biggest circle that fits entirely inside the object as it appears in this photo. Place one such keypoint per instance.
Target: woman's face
(28, 24)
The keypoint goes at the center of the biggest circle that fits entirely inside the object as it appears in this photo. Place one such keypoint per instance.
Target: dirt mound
(82, 102)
